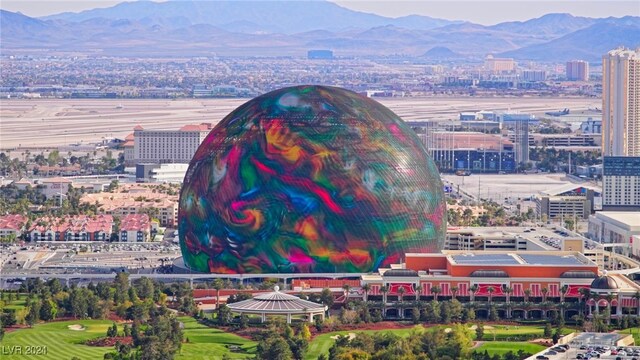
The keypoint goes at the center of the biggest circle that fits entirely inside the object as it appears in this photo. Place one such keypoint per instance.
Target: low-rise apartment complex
(72, 228)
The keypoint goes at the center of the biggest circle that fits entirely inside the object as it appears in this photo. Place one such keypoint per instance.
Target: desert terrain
(26, 123)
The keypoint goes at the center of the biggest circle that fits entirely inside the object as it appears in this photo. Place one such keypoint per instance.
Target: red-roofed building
(11, 225)
(129, 150)
(135, 228)
(72, 228)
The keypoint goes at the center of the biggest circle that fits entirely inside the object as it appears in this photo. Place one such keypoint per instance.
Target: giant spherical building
(309, 179)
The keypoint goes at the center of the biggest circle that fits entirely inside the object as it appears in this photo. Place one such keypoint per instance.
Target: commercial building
(166, 173)
(514, 278)
(128, 147)
(534, 75)
(135, 228)
(471, 151)
(567, 140)
(621, 103)
(72, 228)
(621, 183)
(569, 201)
(11, 226)
(577, 70)
(499, 65)
(168, 146)
(54, 188)
(616, 227)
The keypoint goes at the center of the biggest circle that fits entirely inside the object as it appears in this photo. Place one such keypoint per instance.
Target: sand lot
(54, 122)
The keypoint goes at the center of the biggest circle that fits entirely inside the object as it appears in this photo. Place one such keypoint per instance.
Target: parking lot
(56, 257)
(591, 346)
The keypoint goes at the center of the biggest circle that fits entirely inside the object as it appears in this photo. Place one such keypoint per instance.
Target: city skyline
(476, 11)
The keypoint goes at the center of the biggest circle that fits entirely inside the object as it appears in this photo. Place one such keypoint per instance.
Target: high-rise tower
(577, 70)
(621, 103)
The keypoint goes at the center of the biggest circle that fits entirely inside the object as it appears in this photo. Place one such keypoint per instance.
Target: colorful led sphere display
(309, 179)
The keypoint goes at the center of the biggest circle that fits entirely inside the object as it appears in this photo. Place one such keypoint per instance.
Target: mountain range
(279, 28)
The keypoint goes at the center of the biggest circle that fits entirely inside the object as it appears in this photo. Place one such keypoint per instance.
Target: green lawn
(321, 343)
(16, 304)
(633, 331)
(503, 332)
(210, 344)
(61, 343)
(502, 347)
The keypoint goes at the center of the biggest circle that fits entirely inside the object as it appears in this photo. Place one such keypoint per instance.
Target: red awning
(408, 289)
(483, 290)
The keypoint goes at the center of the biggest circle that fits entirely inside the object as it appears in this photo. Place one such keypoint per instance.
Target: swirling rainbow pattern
(309, 179)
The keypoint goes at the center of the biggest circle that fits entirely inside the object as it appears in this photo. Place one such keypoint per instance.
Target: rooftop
(626, 218)
(75, 224)
(485, 259)
(14, 221)
(135, 222)
(578, 189)
(550, 259)
(276, 302)
(518, 258)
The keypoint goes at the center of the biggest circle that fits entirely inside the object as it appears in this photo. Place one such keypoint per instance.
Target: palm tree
(218, 285)
(366, 288)
(527, 293)
(435, 290)
(401, 292)
(473, 289)
(637, 297)
(454, 291)
(418, 291)
(585, 293)
(526, 307)
(346, 288)
(596, 298)
(544, 292)
(490, 290)
(609, 298)
(563, 292)
(384, 290)
(508, 291)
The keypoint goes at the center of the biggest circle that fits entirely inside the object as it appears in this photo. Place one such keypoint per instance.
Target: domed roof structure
(400, 273)
(604, 282)
(278, 303)
(309, 179)
(275, 302)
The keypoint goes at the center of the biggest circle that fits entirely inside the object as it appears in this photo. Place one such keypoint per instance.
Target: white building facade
(616, 227)
(168, 146)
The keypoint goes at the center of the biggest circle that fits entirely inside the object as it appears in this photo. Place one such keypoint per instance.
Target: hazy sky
(478, 11)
